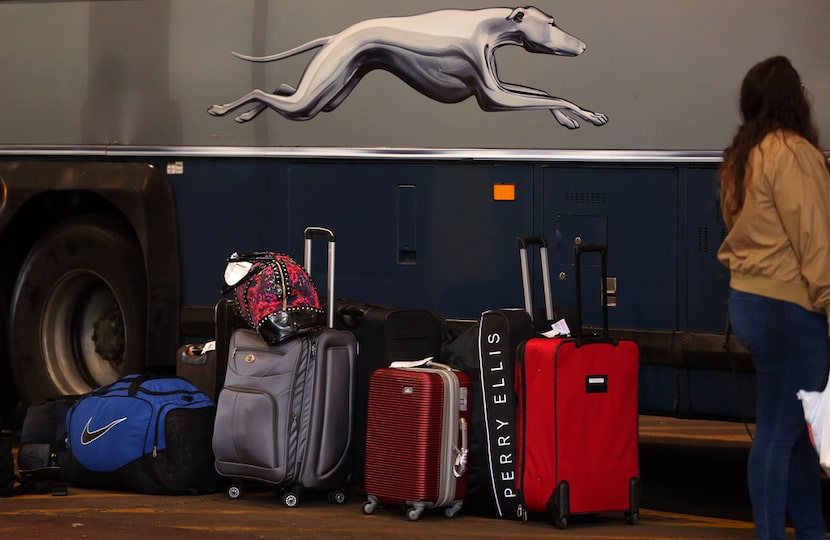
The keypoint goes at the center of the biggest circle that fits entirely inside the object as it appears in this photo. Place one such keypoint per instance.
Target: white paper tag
(404, 364)
(236, 271)
(559, 328)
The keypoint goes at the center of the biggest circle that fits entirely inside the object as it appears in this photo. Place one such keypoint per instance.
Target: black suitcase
(197, 364)
(486, 353)
(384, 334)
(204, 364)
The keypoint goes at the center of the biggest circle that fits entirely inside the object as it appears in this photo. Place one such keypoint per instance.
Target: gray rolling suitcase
(285, 413)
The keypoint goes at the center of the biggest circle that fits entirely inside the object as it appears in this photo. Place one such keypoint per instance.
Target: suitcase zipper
(306, 363)
(521, 511)
(158, 423)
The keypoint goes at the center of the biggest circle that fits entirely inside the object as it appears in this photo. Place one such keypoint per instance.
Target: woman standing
(775, 198)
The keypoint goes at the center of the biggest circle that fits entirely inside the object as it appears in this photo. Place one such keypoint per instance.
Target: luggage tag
(558, 329)
(236, 270)
(422, 363)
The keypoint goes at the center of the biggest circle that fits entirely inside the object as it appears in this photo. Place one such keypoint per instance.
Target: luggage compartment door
(633, 211)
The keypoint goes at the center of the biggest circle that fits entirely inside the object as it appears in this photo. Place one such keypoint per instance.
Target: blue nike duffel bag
(143, 434)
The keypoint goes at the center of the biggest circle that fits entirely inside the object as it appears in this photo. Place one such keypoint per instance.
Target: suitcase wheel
(452, 511)
(633, 514)
(370, 505)
(234, 491)
(290, 498)
(337, 496)
(561, 522)
(414, 512)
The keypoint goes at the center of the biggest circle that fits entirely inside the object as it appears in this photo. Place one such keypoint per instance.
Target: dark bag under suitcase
(384, 334)
(486, 352)
(42, 452)
(144, 434)
(285, 413)
(578, 421)
(416, 438)
(204, 364)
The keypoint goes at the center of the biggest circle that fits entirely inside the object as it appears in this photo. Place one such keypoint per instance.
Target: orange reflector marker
(504, 192)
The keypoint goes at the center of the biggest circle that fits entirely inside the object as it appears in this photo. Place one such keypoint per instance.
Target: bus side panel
(225, 206)
(633, 211)
(708, 280)
(425, 235)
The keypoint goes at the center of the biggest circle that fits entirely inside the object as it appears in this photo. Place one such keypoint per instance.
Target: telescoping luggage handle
(602, 249)
(309, 233)
(460, 462)
(525, 241)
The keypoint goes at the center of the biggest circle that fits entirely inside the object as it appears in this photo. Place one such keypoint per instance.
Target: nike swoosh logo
(88, 436)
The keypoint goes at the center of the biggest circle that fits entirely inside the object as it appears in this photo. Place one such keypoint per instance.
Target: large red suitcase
(416, 438)
(578, 423)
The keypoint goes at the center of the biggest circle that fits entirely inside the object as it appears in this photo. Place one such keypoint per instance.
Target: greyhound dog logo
(447, 55)
(88, 437)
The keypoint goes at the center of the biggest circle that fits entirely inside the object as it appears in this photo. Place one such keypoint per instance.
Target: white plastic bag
(817, 414)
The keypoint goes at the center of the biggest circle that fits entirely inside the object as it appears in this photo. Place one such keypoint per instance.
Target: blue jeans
(789, 347)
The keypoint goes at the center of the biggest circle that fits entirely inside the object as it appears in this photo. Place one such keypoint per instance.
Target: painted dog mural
(447, 55)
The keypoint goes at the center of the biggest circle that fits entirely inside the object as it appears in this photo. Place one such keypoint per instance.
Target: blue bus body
(428, 233)
(124, 186)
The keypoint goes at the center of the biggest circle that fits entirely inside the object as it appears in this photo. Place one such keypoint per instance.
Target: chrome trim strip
(473, 154)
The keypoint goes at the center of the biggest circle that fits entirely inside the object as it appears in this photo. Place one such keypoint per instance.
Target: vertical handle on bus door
(310, 232)
(579, 249)
(523, 242)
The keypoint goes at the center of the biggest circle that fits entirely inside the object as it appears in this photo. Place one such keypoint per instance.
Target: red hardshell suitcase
(416, 437)
(578, 421)
(384, 334)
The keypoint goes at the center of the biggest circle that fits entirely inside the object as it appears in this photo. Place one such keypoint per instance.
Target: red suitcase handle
(602, 249)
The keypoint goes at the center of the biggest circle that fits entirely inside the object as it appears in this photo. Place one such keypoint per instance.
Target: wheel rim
(82, 333)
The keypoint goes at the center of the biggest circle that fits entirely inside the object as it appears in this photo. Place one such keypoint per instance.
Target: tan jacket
(779, 243)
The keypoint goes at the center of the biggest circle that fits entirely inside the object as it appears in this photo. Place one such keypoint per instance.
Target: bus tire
(78, 315)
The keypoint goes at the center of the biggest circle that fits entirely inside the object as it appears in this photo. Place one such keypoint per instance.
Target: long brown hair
(772, 98)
